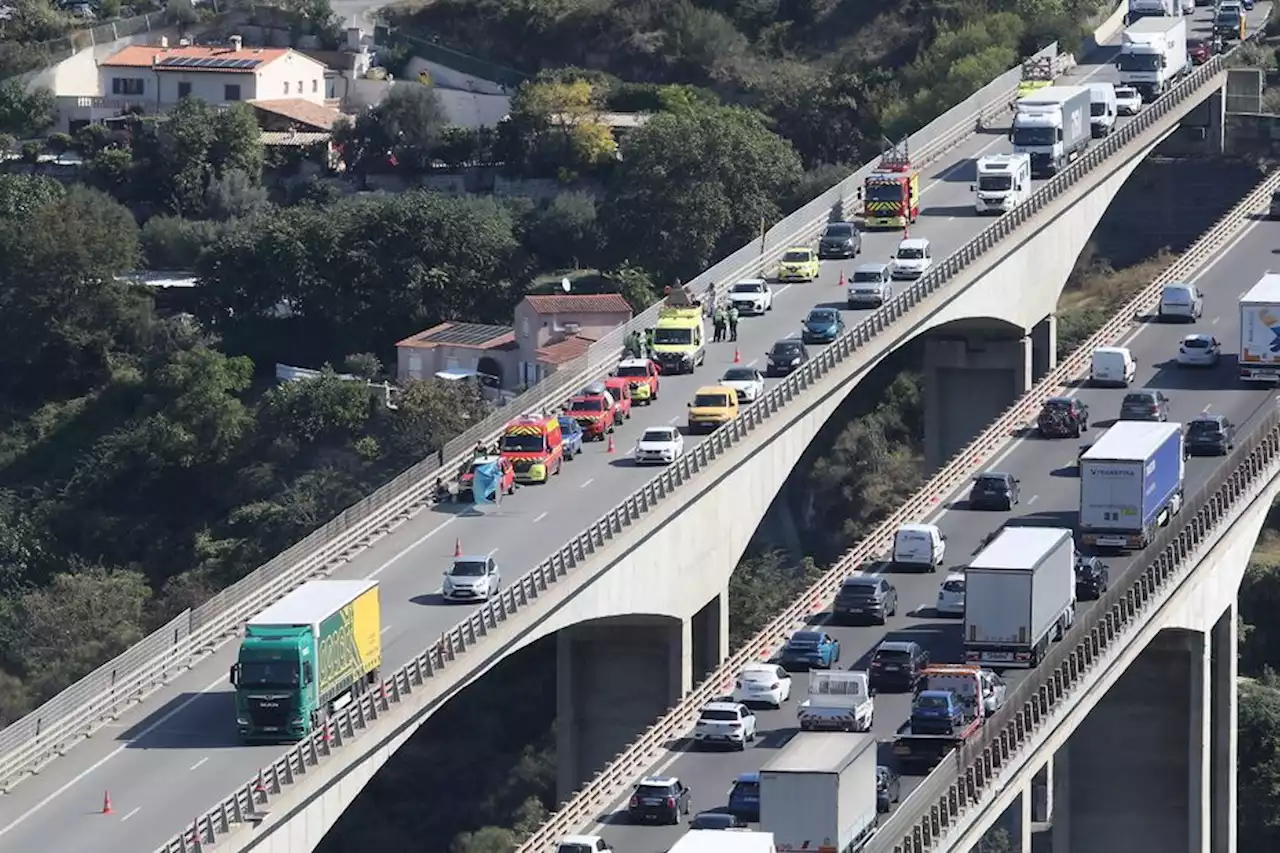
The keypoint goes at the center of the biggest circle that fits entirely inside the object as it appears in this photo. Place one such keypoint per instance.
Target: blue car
(822, 326)
(744, 796)
(570, 436)
(810, 650)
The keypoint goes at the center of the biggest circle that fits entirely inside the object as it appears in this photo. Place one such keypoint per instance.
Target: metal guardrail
(102, 696)
(246, 801)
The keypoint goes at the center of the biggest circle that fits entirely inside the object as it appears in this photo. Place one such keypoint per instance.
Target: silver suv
(871, 285)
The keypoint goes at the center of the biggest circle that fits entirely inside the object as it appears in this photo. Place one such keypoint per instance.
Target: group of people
(722, 320)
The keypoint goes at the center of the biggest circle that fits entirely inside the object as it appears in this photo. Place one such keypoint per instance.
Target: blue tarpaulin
(485, 486)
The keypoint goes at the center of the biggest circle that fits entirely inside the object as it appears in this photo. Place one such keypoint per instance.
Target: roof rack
(895, 158)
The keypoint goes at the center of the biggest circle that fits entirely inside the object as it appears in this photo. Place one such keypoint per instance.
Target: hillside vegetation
(834, 76)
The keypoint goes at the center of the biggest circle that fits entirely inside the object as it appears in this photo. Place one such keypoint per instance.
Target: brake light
(671, 802)
(735, 726)
(1155, 410)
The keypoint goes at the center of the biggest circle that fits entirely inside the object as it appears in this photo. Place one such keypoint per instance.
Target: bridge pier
(1224, 674)
(1140, 780)
(1044, 347)
(616, 676)
(968, 382)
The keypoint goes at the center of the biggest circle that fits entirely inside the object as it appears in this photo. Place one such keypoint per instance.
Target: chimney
(236, 42)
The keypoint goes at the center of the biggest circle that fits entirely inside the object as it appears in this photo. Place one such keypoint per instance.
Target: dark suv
(994, 490)
(1144, 406)
(865, 599)
(840, 240)
(1063, 417)
(1210, 435)
(786, 355)
(1092, 578)
(659, 799)
(896, 666)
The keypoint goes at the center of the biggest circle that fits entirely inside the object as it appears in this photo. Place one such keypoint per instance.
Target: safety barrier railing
(101, 696)
(243, 803)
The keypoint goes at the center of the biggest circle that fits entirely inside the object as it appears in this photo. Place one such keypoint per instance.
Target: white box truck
(1153, 55)
(1052, 126)
(1019, 596)
(1130, 484)
(839, 700)
(1139, 9)
(1004, 182)
(1260, 331)
(717, 841)
(1102, 109)
(820, 792)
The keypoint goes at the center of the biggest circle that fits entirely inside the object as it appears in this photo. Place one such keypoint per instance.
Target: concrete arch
(987, 327)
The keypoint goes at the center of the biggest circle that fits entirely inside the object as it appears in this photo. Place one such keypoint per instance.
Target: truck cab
(533, 445)
(620, 390)
(1004, 182)
(1102, 109)
(891, 194)
(838, 701)
(642, 373)
(679, 340)
(593, 409)
(979, 689)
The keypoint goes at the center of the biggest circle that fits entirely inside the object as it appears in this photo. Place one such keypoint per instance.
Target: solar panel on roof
(468, 334)
(209, 62)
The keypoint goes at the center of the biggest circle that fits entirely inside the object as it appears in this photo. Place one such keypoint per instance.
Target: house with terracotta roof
(152, 78)
(549, 331)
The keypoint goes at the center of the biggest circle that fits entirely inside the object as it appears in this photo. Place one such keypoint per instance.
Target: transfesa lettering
(1110, 472)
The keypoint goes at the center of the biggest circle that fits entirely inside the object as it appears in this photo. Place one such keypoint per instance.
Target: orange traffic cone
(841, 282)
(106, 803)
(609, 449)
(457, 547)
(260, 787)
(737, 356)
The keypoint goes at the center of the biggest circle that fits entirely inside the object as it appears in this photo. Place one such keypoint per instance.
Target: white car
(583, 844)
(762, 683)
(951, 596)
(471, 579)
(1199, 351)
(751, 296)
(747, 381)
(660, 445)
(726, 724)
(1128, 101)
(913, 258)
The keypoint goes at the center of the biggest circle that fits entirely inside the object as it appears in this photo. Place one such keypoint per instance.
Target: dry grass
(1095, 290)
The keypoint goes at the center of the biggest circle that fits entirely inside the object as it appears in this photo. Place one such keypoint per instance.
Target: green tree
(24, 113)
(760, 588)
(694, 186)
(21, 195)
(564, 234)
(174, 243)
(430, 412)
(1259, 778)
(62, 310)
(407, 124)
(325, 409)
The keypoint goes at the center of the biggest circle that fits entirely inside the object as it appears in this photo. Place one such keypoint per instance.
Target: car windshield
(658, 435)
(653, 791)
(907, 253)
(268, 675)
(786, 349)
(992, 482)
(1126, 93)
(1097, 108)
(868, 277)
(839, 232)
(932, 702)
(467, 569)
(745, 790)
(823, 317)
(715, 401)
(1205, 428)
(759, 675)
(884, 192)
(1196, 343)
(1138, 400)
(995, 182)
(595, 404)
(795, 257)
(858, 590)
(673, 337)
(720, 716)
(573, 848)
(805, 638)
(522, 443)
(1197, 44)
(748, 287)
(739, 374)
(713, 820)
(892, 654)
(953, 586)
(639, 371)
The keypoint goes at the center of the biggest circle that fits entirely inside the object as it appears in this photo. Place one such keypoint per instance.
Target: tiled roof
(471, 335)
(563, 351)
(584, 303)
(294, 138)
(146, 55)
(301, 111)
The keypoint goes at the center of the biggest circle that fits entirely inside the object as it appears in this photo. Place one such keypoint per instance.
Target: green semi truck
(306, 656)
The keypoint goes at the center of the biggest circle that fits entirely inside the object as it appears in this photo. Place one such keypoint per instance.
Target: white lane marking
(131, 814)
(1032, 499)
(539, 517)
(944, 503)
(385, 629)
(491, 553)
(589, 481)
(411, 546)
(674, 420)
(110, 755)
(752, 362)
(206, 758)
(1214, 321)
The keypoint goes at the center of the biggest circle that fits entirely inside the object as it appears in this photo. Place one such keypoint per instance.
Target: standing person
(733, 322)
(718, 320)
(648, 343)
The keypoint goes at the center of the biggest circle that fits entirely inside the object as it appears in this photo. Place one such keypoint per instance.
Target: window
(231, 92)
(127, 85)
(286, 87)
(315, 86)
(184, 89)
(299, 87)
